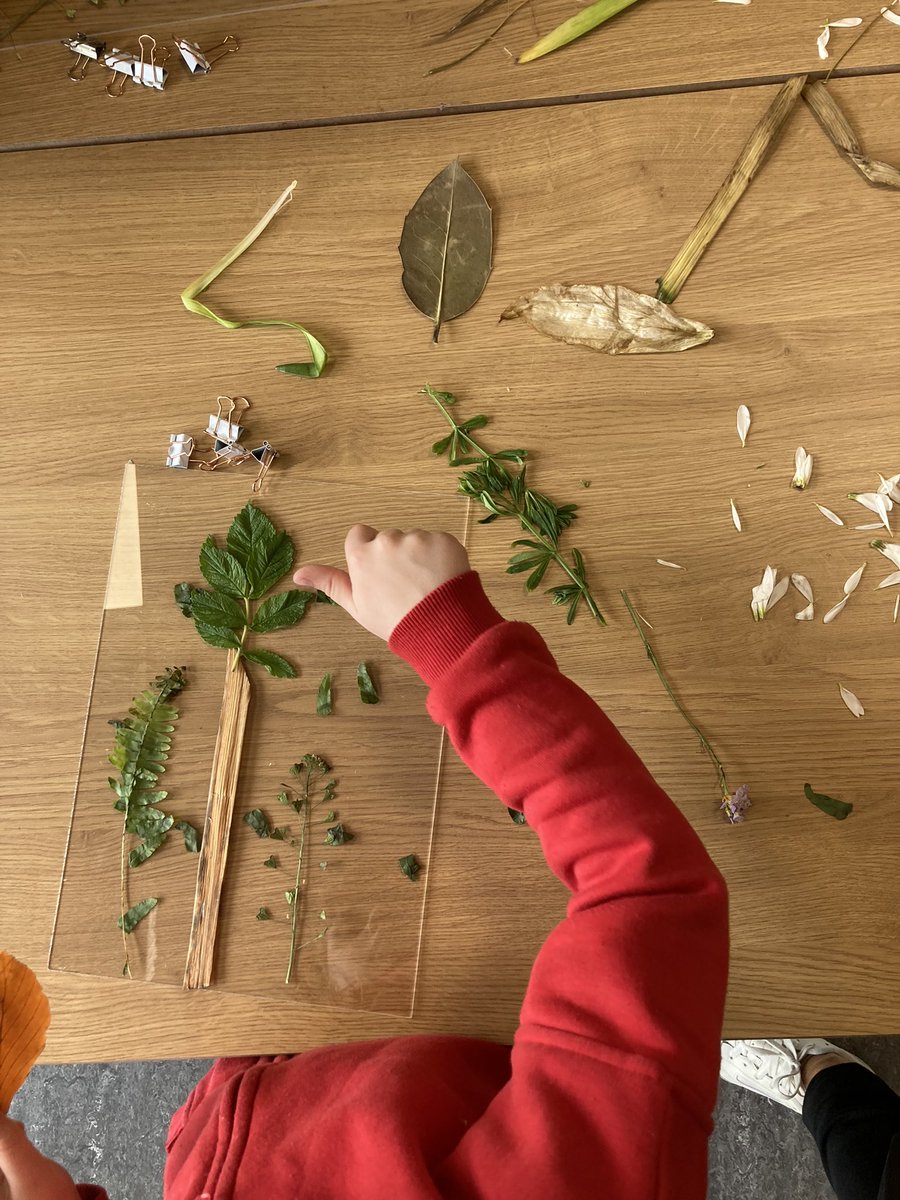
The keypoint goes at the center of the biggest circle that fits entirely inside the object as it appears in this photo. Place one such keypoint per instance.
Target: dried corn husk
(748, 162)
(834, 121)
(608, 317)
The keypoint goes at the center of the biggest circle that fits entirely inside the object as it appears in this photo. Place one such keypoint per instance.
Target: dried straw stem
(834, 121)
(748, 162)
(217, 828)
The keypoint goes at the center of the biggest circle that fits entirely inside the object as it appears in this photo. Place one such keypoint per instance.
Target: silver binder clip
(181, 447)
(88, 51)
(200, 62)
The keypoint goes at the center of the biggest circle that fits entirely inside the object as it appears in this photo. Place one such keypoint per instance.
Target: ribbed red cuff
(433, 635)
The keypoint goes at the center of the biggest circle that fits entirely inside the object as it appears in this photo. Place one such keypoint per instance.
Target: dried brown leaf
(608, 317)
(24, 1019)
(834, 121)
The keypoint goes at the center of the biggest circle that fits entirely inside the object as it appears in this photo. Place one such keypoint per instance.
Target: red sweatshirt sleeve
(615, 1061)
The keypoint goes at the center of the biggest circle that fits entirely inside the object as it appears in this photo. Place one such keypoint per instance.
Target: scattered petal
(822, 42)
(826, 512)
(853, 582)
(743, 423)
(890, 550)
(803, 586)
(893, 17)
(805, 614)
(675, 566)
(851, 701)
(742, 2)
(803, 465)
(736, 517)
(846, 22)
(778, 592)
(876, 525)
(888, 487)
(891, 581)
(761, 595)
(834, 612)
(875, 502)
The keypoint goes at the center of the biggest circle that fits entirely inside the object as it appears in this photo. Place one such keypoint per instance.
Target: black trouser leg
(855, 1119)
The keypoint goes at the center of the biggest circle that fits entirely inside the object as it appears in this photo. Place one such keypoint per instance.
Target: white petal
(803, 465)
(743, 423)
(890, 550)
(778, 592)
(803, 586)
(675, 566)
(834, 612)
(876, 525)
(876, 503)
(896, 609)
(846, 22)
(890, 580)
(851, 701)
(853, 582)
(805, 614)
(736, 517)
(826, 512)
(822, 42)
(891, 16)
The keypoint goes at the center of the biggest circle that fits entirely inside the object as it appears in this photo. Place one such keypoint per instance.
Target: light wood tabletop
(100, 362)
(357, 59)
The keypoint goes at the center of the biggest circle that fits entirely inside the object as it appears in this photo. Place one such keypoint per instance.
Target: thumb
(330, 580)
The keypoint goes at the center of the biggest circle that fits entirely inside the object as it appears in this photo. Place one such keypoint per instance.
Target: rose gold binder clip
(200, 62)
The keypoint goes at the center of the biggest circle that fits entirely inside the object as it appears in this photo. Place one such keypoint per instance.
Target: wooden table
(101, 362)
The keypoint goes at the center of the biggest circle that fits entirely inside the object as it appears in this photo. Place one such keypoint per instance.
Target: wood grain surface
(100, 362)
(354, 58)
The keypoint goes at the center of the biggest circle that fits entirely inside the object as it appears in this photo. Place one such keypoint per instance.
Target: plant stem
(707, 748)
(865, 29)
(295, 907)
(244, 632)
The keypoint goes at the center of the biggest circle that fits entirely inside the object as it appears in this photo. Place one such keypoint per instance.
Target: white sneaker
(771, 1067)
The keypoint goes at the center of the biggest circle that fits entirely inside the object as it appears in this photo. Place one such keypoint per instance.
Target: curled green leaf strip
(310, 370)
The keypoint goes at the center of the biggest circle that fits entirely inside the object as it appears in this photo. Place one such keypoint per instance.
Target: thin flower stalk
(733, 805)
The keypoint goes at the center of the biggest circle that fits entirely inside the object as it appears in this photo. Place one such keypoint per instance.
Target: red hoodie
(611, 1080)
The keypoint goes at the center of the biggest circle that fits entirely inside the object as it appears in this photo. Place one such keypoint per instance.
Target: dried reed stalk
(217, 828)
(834, 121)
(748, 162)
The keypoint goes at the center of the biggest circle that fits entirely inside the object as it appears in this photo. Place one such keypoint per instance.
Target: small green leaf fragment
(184, 598)
(329, 816)
(322, 915)
(324, 706)
(517, 817)
(277, 666)
(585, 483)
(191, 836)
(291, 895)
(367, 691)
(279, 834)
(256, 819)
(271, 862)
(264, 914)
(337, 836)
(839, 809)
(323, 866)
(71, 14)
(410, 866)
(129, 921)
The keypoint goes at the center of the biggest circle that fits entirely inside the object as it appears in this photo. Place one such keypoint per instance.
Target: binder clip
(145, 70)
(181, 447)
(198, 61)
(88, 51)
(228, 451)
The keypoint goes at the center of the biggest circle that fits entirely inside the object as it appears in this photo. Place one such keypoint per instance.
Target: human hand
(25, 1173)
(387, 574)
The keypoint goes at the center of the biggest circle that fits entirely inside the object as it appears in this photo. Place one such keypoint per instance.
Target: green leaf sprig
(256, 558)
(141, 748)
(311, 370)
(504, 492)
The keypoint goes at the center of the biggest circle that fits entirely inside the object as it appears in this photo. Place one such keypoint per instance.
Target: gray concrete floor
(107, 1124)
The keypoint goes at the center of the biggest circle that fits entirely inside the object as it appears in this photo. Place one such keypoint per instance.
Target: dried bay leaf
(446, 246)
(834, 121)
(608, 317)
(24, 1020)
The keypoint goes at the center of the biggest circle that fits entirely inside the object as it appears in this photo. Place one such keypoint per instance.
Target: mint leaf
(268, 563)
(281, 611)
(216, 635)
(323, 699)
(222, 571)
(839, 809)
(256, 819)
(130, 920)
(214, 608)
(367, 692)
(274, 663)
(191, 836)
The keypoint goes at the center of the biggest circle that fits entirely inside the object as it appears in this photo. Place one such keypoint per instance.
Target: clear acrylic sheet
(386, 757)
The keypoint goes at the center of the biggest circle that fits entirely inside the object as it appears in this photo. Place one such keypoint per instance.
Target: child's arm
(615, 1062)
(25, 1174)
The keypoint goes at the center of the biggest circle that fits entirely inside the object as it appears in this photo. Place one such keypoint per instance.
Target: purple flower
(735, 807)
